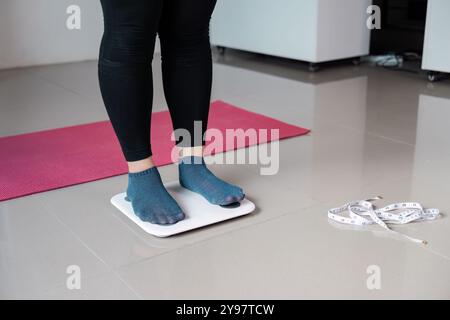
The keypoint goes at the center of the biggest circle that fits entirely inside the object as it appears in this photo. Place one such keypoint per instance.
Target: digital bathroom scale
(198, 211)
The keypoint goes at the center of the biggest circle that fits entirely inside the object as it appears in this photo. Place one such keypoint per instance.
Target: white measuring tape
(363, 212)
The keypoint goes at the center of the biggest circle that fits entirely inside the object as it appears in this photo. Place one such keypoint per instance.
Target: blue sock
(150, 200)
(195, 176)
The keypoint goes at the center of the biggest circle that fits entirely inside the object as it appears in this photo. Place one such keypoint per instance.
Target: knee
(187, 44)
(127, 46)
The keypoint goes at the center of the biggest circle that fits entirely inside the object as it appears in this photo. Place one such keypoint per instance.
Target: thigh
(131, 13)
(130, 26)
(185, 17)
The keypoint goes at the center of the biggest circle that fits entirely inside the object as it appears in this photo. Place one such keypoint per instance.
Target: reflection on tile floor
(375, 132)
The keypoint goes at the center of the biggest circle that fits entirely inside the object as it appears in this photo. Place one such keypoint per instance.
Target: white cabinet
(308, 30)
(436, 51)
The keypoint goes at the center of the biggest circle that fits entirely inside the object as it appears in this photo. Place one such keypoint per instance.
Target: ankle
(191, 160)
(191, 152)
(150, 171)
(140, 165)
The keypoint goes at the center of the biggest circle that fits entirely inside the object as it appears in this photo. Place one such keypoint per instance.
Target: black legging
(125, 72)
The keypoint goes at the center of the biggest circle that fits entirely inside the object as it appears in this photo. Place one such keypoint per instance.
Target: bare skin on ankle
(192, 152)
(145, 164)
(141, 165)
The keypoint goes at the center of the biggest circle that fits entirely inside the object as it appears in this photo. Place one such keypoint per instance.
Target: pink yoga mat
(51, 159)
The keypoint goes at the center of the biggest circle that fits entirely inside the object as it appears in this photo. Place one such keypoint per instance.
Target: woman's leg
(186, 62)
(125, 77)
(125, 71)
(187, 77)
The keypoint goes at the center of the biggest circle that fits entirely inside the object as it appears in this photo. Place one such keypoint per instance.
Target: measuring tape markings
(363, 212)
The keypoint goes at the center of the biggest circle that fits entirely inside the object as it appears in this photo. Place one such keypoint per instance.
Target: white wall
(34, 32)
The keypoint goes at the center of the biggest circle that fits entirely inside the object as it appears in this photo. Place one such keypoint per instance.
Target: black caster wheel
(432, 77)
(435, 76)
(221, 50)
(356, 61)
(313, 67)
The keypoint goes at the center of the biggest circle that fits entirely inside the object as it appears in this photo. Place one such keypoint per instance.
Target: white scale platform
(199, 212)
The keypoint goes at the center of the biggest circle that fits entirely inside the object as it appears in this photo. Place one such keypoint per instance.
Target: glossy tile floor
(375, 132)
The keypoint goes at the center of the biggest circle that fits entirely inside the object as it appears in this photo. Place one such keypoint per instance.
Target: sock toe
(174, 220)
(146, 218)
(180, 216)
(161, 219)
(195, 176)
